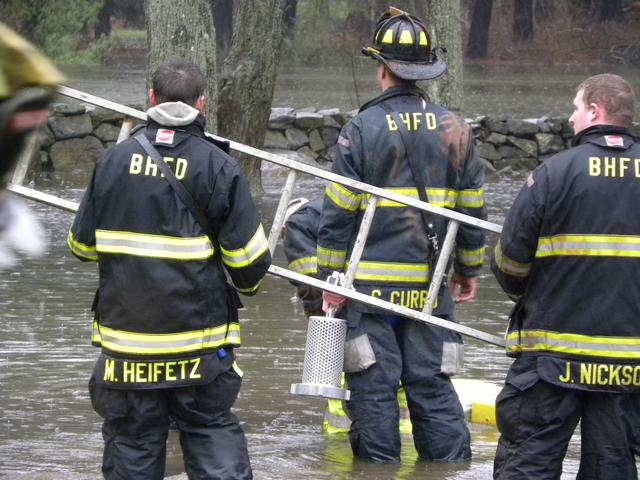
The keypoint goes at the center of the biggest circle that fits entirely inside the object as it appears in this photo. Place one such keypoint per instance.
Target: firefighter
(166, 319)
(569, 254)
(394, 134)
(300, 235)
(27, 81)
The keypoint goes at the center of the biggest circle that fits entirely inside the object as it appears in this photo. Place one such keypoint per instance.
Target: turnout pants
(413, 353)
(136, 424)
(536, 420)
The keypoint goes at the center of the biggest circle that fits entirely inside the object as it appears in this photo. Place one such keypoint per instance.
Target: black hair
(178, 80)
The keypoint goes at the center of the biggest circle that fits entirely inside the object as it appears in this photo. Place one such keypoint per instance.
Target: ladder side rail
(292, 164)
(45, 198)
(278, 219)
(101, 102)
(361, 239)
(441, 266)
(388, 306)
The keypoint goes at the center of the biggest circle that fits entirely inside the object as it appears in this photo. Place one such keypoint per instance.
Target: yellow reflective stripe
(393, 272)
(154, 246)
(471, 258)
(304, 265)
(589, 245)
(442, 197)
(343, 197)
(331, 258)
(405, 37)
(471, 198)
(166, 343)
(572, 343)
(248, 254)
(80, 249)
(423, 39)
(237, 369)
(388, 36)
(249, 289)
(510, 267)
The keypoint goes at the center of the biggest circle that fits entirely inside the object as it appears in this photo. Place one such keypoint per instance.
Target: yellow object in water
(478, 399)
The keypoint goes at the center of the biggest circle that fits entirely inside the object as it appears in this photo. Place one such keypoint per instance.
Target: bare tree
(444, 23)
(478, 41)
(607, 10)
(223, 22)
(246, 86)
(522, 20)
(184, 28)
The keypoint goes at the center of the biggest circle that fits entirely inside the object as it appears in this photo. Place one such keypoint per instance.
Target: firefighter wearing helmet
(403, 142)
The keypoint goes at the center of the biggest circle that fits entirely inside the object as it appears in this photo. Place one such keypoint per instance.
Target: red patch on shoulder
(165, 136)
(614, 140)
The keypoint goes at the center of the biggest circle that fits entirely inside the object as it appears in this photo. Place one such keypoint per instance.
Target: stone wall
(77, 134)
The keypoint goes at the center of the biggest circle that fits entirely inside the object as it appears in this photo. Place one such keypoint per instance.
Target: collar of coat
(602, 135)
(395, 92)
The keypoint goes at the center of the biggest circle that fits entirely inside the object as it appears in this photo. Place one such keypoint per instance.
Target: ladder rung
(358, 246)
(441, 266)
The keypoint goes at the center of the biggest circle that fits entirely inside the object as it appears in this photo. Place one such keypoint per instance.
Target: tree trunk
(184, 28)
(246, 87)
(223, 21)
(103, 24)
(444, 24)
(478, 41)
(522, 20)
(607, 10)
(290, 10)
(544, 10)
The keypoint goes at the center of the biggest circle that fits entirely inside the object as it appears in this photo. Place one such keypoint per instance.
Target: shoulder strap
(177, 186)
(407, 141)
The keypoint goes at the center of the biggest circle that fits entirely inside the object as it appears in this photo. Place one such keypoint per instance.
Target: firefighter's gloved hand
(467, 288)
(20, 232)
(331, 301)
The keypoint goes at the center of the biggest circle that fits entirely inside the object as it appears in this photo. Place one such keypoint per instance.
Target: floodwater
(49, 431)
(47, 427)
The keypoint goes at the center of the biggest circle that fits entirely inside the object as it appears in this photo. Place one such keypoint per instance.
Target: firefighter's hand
(467, 288)
(331, 301)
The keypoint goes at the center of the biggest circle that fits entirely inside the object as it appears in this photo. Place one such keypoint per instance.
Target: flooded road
(49, 431)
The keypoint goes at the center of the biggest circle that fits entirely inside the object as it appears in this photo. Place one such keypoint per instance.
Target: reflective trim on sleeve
(343, 197)
(248, 254)
(331, 258)
(393, 272)
(589, 245)
(571, 343)
(304, 265)
(510, 267)
(80, 249)
(165, 343)
(442, 197)
(471, 198)
(471, 258)
(154, 246)
(249, 289)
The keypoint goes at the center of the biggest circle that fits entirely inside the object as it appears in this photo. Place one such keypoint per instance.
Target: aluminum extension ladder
(346, 289)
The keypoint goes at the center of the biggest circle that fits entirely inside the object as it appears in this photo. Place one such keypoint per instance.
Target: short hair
(614, 94)
(397, 79)
(178, 80)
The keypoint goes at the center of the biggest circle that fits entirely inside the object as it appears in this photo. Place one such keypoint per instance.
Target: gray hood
(173, 114)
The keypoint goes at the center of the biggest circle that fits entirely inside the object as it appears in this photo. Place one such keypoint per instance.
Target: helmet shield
(402, 42)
